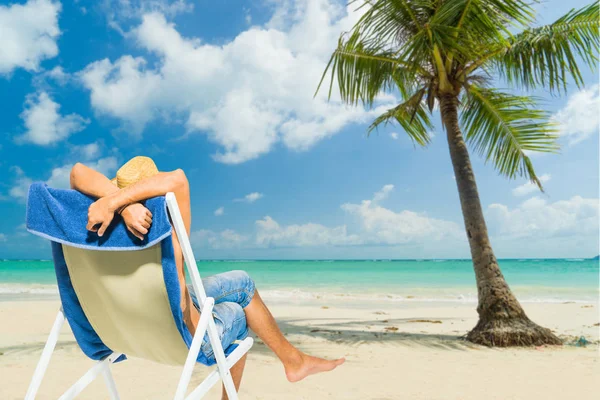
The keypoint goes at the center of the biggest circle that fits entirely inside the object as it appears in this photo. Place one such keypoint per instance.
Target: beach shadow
(335, 330)
(36, 347)
(354, 333)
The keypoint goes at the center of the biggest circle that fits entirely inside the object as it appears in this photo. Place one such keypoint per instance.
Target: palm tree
(450, 53)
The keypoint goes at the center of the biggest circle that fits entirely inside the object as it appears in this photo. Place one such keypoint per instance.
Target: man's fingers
(103, 228)
(141, 229)
(135, 233)
(91, 226)
(146, 224)
(149, 213)
(148, 219)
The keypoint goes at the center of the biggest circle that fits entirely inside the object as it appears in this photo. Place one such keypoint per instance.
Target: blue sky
(225, 90)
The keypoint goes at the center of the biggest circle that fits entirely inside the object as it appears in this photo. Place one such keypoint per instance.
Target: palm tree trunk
(502, 321)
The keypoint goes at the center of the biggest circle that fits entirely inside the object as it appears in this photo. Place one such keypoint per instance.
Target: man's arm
(86, 180)
(91, 182)
(102, 211)
(157, 185)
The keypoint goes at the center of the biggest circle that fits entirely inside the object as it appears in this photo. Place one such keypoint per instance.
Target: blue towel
(61, 216)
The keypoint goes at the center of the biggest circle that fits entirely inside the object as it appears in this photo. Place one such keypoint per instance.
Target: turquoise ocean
(532, 280)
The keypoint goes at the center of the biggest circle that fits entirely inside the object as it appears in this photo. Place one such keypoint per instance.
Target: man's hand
(101, 212)
(137, 219)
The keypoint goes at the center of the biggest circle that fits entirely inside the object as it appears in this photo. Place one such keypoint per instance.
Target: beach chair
(121, 297)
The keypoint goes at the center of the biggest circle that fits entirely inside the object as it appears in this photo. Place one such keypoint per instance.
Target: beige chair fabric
(124, 297)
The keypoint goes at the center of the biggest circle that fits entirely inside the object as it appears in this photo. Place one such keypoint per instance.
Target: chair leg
(213, 377)
(190, 362)
(89, 377)
(42, 365)
(223, 368)
(110, 383)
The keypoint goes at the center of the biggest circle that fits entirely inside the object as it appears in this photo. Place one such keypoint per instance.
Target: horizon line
(351, 259)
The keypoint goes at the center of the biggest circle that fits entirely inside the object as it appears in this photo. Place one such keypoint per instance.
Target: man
(238, 305)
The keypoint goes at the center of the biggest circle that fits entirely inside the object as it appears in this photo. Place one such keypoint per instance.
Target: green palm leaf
(548, 55)
(410, 115)
(365, 70)
(503, 127)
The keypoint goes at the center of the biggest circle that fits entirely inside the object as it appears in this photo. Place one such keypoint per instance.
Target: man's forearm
(91, 182)
(157, 185)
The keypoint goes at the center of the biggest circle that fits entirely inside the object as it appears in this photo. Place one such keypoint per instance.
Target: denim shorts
(232, 292)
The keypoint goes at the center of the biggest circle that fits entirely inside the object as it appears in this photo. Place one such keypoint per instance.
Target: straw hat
(136, 169)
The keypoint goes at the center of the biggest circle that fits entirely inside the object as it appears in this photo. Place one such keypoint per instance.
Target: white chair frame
(206, 324)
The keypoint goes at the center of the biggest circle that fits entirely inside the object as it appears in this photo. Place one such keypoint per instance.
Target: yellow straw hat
(136, 169)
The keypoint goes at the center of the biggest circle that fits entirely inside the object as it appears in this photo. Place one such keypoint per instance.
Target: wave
(16, 289)
(406, 295)
(295, 295)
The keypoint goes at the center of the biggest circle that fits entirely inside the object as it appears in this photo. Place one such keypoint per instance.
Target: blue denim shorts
(232, 292)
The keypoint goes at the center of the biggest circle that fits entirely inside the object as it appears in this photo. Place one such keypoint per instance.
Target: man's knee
(246, 283)
(242, 276)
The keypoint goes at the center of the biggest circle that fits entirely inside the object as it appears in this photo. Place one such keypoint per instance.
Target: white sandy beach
(418, 360)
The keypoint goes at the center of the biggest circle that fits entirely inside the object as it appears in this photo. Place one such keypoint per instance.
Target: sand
(405, 350)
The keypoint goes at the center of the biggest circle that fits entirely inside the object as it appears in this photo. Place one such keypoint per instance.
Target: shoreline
(403, 295)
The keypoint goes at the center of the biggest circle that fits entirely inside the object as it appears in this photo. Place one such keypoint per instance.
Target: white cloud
(87, 151)
(270, 234)
(122, 11)
(383, 193)
(376, 226)
(243, 103)
(544, 225)
(380, 225)
(394, 135)
(250, 197)
(137, 8)
(537, 218)
(219, 211)
(59, 75)
(2, 237)
(45, 126)
(29, 32)
(21, 187)
(124, 90)
(530, 187)
(60, 176)
(226, 239)
(580, 118)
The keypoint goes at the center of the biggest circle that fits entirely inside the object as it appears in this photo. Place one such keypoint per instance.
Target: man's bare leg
(236, 373)
(297, 364)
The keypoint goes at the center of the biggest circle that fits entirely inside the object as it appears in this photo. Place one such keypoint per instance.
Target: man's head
(134, 170)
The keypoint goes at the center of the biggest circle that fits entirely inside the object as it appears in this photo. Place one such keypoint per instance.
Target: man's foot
(309, 365)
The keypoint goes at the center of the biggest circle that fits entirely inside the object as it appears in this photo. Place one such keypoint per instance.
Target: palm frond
(394, 21)
(503, 127)
(404, 27)
(483, 20)
(548, 55)
(410, 115)
(364, 70)
(478, 25)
